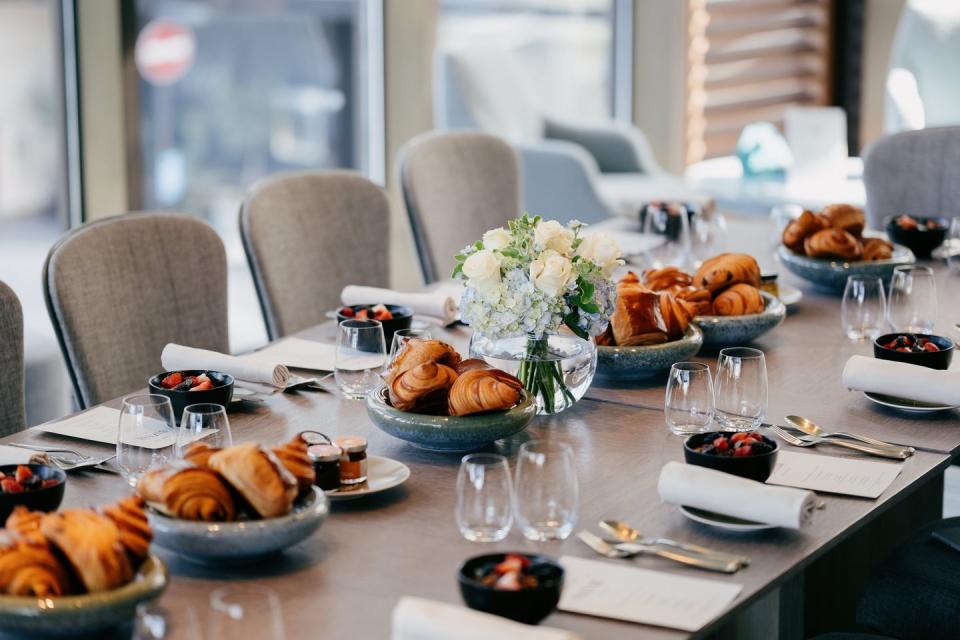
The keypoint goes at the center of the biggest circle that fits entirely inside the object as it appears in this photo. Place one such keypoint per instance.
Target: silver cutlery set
(806, 433)
(69, 459)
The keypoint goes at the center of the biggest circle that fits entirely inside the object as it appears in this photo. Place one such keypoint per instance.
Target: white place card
(298, 353)
(613, 590)
(829, 474)
(102, 424)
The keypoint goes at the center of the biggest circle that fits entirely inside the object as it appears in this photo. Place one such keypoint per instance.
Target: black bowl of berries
(520, 586)
(747, 454)
(393, 317)
(922, 349)
(921, 234)
(192, 386)
(38, 487)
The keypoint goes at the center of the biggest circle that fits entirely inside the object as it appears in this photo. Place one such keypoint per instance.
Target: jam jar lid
(324, 452)
(351, 444)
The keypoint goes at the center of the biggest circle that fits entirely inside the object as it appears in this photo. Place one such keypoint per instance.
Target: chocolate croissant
(846, 217)
(293, 455)
(484, 390)
(666, 278)
(189, 493)
(91, 544)
(833, 243)
(416, 352)
(676, 315)
(131, 519)
(423, 388)
(725, 270)
(31, 570)
(877, 249)
(804, 226)
(198, 453)
(258, 476)
(739, 300)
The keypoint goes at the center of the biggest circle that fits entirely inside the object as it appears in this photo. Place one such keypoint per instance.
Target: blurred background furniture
(120, 289)
(307, 236)
(456, 186)
(915, 172)
(12, 418)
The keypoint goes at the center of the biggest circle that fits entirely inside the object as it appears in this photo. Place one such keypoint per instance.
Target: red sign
(164, 52)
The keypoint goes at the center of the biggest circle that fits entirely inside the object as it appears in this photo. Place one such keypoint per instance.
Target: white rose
(553, 235)
(482, 270)
(602, 250)
(551, 272)
(496, 239)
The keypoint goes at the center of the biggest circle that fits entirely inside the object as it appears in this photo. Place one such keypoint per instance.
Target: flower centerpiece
(524, 285)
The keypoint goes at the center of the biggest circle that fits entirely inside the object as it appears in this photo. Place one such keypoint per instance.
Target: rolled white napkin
(16, 455)
(902, 380)
(176, 357)
(730, 495)
(437, 304)
(420, 619)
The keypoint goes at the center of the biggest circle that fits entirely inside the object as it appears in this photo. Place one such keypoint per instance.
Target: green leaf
(478, 244)
(586, 289)
(590, 307)
(457, 270)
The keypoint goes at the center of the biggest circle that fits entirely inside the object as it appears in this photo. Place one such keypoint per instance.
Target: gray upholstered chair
(118, 290)
(456, 186)
(308, 235)
(914, 172)
(12, 417)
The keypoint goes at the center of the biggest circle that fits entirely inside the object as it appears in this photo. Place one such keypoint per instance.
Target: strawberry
(49, 482)
(512, 563)
(930, 347)
(23, 473)
(9, 485)
(721, 444)
(347, 312)
(172, 380)
(363, 314)
(742, 452)
(508, 582)
(747, 442)
(737, 437)
(203, 386)
(200, 379)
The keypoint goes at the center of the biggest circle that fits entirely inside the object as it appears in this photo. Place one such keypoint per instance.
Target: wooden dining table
(345, 579)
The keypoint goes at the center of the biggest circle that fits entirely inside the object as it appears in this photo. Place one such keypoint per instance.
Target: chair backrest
(308, 235)
(118, 290)
(913, 172)
(12, 418)
(456, 186)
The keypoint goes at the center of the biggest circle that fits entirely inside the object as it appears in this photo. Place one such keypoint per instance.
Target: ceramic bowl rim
(376, 399)
(693, 336)
(901, 255)
(773, 308)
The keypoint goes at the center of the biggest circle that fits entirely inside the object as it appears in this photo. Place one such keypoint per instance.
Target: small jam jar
(353, 460)
(326, 464)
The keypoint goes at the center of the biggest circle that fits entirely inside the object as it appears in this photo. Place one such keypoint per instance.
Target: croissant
(725, 270)
(470, 364)
(629, 278)
(293, 455)
(91, 544)
(833, 243)
(846, 217)
(259, 477)
(698, 300)
(807, 224)
(131, 519)
(676, 315)
(198, 453)
(877, 249)
(739, 300)
(190, 493)
(424, 387)
(417, 351)
(23, 523)
(666, 278)
(484, 390)
(637, 319)
(31, 570)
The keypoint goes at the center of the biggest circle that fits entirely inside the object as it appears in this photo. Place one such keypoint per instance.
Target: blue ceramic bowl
(88, 615)
(832, 274)
(648, 360)
(733, 331)
(243, 541)
(449, 433)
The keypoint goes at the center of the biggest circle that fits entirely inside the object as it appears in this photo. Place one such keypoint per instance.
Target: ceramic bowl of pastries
(234, 505)
(827, 247)
(76, 571)
(649, 330)
(438, 401)
(723, 297)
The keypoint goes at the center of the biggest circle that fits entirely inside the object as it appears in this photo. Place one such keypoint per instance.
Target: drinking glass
(913, 299)
(864, 307)
(401, 336)
(953, 245)
(361, 356)
(245, 612)
(484, 498)
(689, 405)
(146, 435)
(155, 622)
(672, 221)
(206, 421)
(741, 399)
(546, 492)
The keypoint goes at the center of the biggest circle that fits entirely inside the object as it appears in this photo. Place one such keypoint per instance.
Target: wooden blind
(747, 61)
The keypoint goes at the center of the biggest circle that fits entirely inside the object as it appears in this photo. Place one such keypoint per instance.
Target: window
(748, 61)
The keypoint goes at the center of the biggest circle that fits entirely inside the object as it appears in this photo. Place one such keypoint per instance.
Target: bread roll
(258, 476)
(739, 300)
(833, 243)
(417, 351)
(423, 389)
(846, 217)
(725, 270)
(877, 249)
(807, 224)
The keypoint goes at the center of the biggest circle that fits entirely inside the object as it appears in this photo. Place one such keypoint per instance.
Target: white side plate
(382, 474)
(727, 523)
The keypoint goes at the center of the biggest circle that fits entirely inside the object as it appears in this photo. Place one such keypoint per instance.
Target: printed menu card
(613, 590)
(830, 474)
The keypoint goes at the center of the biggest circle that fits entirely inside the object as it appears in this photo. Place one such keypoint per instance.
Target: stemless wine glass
(689, 405)
(546, 492)
(206, 421)
(401, 336)
(484, 498)
(361, 356)
(672, 221)
(953, 246)
(864, 307)
(913, 299)
(245, 612)
(741, 400)
(146, 435)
